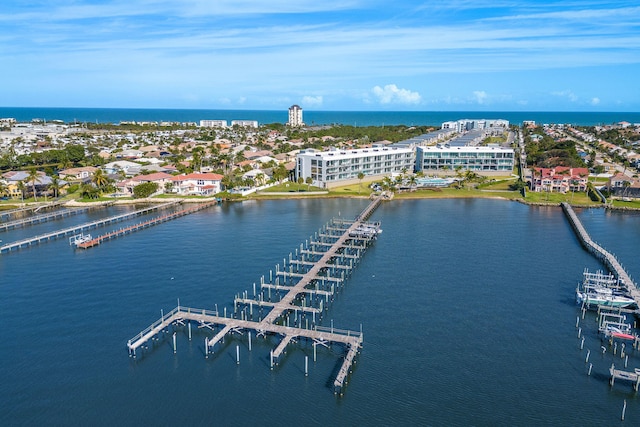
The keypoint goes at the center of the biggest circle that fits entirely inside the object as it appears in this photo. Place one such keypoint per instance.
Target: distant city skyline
(349, 55)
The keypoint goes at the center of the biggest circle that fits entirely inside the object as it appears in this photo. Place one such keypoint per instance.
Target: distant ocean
(354, 118)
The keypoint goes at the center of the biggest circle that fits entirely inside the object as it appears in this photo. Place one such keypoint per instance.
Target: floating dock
(290, 303)
(79, 228)
(601, 253)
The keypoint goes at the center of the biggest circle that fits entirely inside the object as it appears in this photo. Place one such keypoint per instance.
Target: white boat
(604, 297)
(365, 231)
(77, 239)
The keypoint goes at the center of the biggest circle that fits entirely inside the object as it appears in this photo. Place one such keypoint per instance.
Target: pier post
(189, 330)
(582, 343)
(624, 408)
(586, 360)
(249, 340)
(306, 366)
(271, 359)
(237, 354)
(590, 366)
(314, 351)
(174, 343)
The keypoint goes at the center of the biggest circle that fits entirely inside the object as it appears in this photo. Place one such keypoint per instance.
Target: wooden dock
(36, 219)
(142, 225)
(601, 253)
(290, 303)
(79, 228)
(633, 377)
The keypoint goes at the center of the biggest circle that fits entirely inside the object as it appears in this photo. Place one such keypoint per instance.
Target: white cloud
(566, 94)
(312, 101)
(480, 96)
(595, 101)
(392, 94)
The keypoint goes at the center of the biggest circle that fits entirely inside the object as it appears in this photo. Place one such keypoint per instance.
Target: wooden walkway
(32, 207)
(605, 256)
(79, 228)
(291, 303)
(36, 219)
(142, 225)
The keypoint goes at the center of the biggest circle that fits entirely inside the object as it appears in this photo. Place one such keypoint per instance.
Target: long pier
(35, 219)
(28, 208)
(142, 225)
(291, 302)
(79, 228)
(601, 253)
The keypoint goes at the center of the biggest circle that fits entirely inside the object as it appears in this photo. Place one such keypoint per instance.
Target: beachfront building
(213, 123)
(342, 167)
(200, 184)
(445, 159)
(295, 116)
(471, 124)
(560, 179)
(245, 123)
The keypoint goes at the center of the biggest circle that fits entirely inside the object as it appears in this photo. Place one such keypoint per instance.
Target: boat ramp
(290, 303)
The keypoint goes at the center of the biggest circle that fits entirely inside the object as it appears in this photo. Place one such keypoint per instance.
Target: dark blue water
(353, 118)
(467, 308)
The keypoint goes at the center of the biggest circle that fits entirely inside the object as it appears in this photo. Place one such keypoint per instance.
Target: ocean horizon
(310, 117)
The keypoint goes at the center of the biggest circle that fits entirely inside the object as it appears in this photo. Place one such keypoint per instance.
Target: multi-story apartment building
(484, 160)
(327, 168)
(213, 123)
(295, 116)
(560, 179)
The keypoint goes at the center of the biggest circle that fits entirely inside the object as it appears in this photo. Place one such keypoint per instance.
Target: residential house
(560, 179)
(83, 174)
(201, 184)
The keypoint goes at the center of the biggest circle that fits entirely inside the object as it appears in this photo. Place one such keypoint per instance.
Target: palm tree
(55, 186)
(32, 177)
(3, 188)
(21, 187)
(360, 178)
(308, 180)
(100, 179)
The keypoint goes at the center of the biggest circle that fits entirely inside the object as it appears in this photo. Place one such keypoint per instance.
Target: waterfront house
(201, 184)
(560, 179)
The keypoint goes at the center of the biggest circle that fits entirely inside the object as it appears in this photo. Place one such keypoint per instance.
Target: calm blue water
(354, 118)
(467, 308)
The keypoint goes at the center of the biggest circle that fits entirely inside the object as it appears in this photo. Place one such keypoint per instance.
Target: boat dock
(601, 253)
(291, 302)
(633, 377)
(79, 228)
(28, 208)
(35, 219)
(142, 225)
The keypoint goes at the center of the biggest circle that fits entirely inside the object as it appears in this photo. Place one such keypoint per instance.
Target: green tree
(308, 180)
(360, 178)
(145, 189)
(100, 180)
(32, 177)
(55, 186)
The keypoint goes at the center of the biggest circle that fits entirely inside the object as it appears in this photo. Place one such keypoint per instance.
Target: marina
(318, 270)
(623, 278)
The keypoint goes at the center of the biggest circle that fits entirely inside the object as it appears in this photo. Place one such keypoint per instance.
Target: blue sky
(404, 55)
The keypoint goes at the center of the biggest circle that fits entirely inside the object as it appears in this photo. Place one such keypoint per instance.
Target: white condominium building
(468, 124)
(213, 123)
(326, 168)
(444, 158)
(295, 116)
